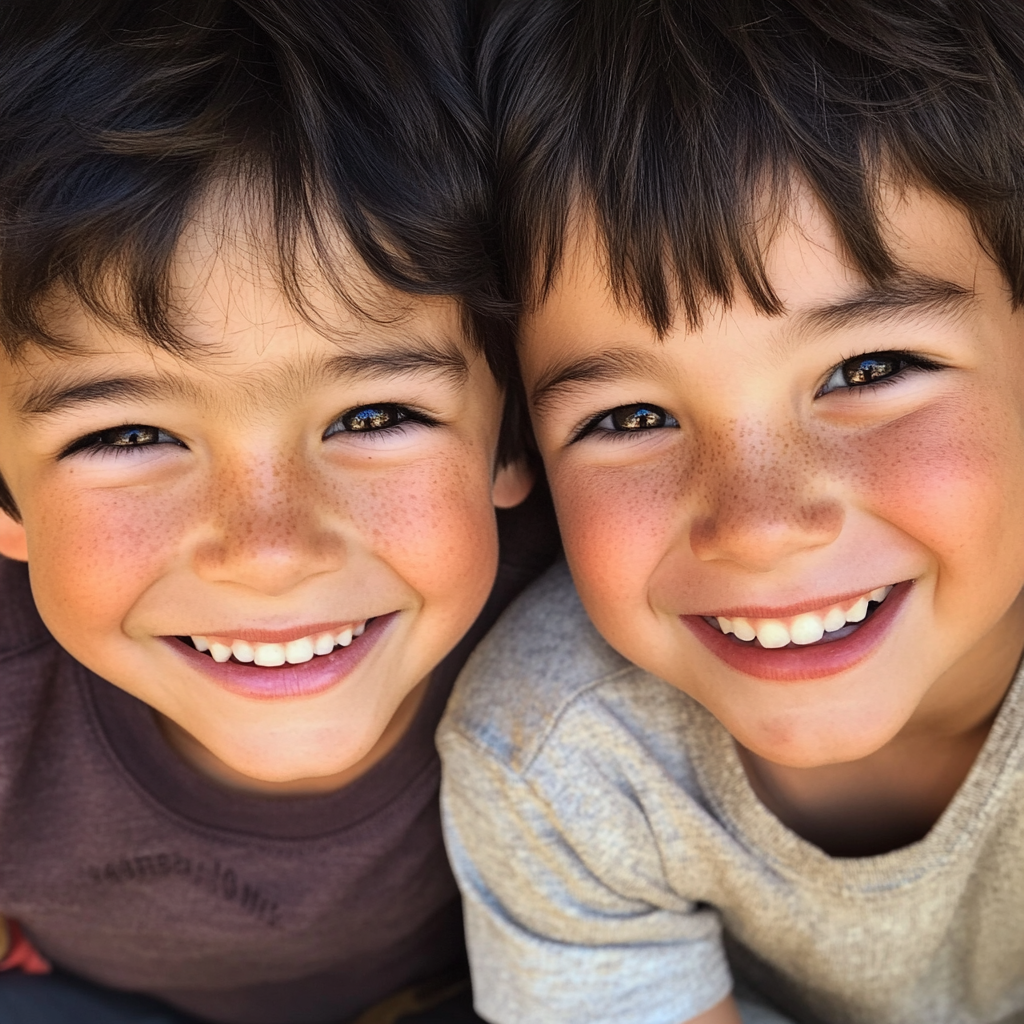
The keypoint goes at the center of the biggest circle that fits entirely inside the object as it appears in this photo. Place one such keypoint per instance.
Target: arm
(554, 892)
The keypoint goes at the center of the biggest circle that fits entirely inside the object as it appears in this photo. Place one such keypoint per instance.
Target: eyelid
(914, 359)
(408, 414)
(87, 442)
(587, 427)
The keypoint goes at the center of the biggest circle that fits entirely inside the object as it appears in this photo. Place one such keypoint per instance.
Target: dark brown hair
(670, 120)
(117, 117)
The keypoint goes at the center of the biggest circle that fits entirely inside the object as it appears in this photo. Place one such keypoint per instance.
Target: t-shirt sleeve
(568, 915)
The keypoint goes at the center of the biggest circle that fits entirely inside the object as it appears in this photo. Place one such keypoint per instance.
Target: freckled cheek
(616, 524)
(92, 555)
(952, 479)
(433, 523)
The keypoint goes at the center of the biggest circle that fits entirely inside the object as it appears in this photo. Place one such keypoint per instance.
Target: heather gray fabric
(130, 869)
(617, 867)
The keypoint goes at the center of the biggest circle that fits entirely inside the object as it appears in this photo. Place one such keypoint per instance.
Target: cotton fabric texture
(617, 867)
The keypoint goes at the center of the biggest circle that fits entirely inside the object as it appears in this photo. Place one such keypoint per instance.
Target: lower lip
(796, 664)
(285, 681)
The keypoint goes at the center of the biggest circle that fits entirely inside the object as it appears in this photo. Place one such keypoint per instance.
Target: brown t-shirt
(128, 867)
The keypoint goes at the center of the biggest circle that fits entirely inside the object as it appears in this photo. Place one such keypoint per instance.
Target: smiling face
(809, 522)
(278, 495)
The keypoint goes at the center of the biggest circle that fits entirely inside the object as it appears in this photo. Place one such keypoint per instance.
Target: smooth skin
(251, 505)
(764, 478)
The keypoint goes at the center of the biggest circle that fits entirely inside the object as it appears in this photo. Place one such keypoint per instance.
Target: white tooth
(296, 652)
(242, 650)
(358, 630)
(724, 624)
(835, 619)
(806, 629)
(268, 655)
(220, 652)
(858, 611)
(772, 633)
(323, 643)
(344, 637)
(880, 594)
(200, 643)
(743, 629)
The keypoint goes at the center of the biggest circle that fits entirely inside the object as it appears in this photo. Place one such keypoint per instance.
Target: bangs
(680, 127)
(120, 119)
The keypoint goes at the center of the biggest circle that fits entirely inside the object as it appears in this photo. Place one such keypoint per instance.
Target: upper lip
(278, 636)
(787, 611)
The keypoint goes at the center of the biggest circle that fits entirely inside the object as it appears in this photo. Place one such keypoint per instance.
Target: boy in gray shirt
(770, 259)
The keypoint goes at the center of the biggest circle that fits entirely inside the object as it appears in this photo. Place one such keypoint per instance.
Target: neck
(893, 796)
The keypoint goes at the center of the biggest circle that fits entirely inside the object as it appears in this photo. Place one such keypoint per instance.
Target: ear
(512, 483)
(13, 542)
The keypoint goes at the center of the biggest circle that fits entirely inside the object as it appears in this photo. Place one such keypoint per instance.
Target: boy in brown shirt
(251, 440)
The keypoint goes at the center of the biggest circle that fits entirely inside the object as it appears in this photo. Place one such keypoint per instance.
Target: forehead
(244, 331)
(940, 265)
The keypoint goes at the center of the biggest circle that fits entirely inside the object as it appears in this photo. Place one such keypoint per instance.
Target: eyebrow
(445, 360)
(574, 374)
(60, 393)
(909, 294)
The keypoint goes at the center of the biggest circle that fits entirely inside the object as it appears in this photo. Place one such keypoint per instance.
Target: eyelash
(94, 443)
(102, 441)
(911, 364)
(404, 415)
(592, 426)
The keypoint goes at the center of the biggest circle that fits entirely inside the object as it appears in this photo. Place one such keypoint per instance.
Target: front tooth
(296, 652)
(835, 619)
(242, 650)
(358, 630)
(200, 643)
(323, 643)
(772, 633)
(880, 594)
(268, 655)
(806, 629)
(220, 652)
(724, 624)
(858, 611)
(344, 637)
(743, 629)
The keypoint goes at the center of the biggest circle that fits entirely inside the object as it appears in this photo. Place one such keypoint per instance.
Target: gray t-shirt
(617, 867)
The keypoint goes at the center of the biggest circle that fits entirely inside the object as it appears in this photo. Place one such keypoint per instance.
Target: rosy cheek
(951, 477)
(102, 549)
(432, 522)
(616, 523)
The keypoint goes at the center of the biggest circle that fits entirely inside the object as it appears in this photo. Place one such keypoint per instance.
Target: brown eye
(868, 369)
(128, 438)
(640, 417)
(134, 436)
(371, 417)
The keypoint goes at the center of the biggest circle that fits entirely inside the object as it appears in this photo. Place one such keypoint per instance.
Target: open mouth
(807, 630)
(297, 667)
(272, 655)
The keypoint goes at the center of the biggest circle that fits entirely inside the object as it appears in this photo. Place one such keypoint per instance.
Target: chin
(292, 762)
(809, 745)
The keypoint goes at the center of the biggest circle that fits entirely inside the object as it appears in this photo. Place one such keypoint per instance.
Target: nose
(764, 501)
(267, 529)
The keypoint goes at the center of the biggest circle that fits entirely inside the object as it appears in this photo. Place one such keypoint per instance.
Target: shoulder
(544, 674)
(21, 628)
